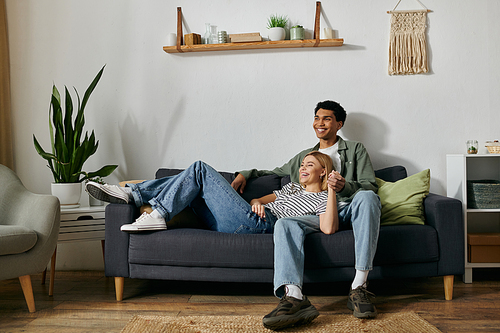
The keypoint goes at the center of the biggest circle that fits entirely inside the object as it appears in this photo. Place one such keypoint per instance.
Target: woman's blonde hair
(326, 162)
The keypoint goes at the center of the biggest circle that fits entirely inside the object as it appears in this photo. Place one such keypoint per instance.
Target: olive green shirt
(356, 168)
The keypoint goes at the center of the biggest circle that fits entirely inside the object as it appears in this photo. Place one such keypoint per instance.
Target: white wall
(243, 109)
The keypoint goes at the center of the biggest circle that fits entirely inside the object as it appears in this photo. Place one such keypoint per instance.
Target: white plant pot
(276, 34)
(68, 193)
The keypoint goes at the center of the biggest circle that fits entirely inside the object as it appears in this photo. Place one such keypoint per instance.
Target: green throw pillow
(402, 201)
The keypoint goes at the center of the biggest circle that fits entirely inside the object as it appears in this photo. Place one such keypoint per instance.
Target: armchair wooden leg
(448, 287)
(52, 272)
(44, 275)
(119, 282)
(25, 281)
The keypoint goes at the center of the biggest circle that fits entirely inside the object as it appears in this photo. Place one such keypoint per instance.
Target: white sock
(293, 291)
(359, 279)
(127, 190)
(156, 214)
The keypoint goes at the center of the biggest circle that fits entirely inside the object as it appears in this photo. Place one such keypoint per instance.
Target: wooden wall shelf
(315, 42)
(255, 45)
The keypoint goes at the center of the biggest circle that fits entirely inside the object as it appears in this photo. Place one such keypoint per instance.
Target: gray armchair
(29, 227)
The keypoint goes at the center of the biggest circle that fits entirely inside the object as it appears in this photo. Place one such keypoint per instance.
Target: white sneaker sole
(131, 228)
(103, 194)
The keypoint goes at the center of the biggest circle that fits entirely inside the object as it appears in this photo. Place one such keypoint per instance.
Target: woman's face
(311, 171)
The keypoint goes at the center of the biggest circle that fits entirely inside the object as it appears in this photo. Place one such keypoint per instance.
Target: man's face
(326, 125)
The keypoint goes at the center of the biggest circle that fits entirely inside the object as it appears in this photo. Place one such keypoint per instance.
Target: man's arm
(291, 168)
(359, 172)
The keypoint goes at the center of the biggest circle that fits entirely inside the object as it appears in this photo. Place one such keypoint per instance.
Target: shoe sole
(302, 317)
(101, 194)
(361, 315)
(145, 229)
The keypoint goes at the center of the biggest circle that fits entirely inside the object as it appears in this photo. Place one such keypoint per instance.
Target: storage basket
(483, 194)
(493, 147)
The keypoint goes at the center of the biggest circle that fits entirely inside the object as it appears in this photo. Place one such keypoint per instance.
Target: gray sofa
(195, 254)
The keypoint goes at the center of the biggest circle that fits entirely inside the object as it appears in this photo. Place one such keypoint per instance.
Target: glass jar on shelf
(206, 37)
(214, 38)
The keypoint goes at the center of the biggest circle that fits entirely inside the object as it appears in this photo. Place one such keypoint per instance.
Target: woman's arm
(329, 221)
(258, 204)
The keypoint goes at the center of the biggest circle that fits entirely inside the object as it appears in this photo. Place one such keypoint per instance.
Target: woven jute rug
(407, 322)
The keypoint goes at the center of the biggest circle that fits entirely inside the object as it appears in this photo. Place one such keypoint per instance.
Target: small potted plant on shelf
(69, 152)
(297, 32)
(276, 25)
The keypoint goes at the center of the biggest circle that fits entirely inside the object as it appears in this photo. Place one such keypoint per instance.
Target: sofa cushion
(16, 239)
(391, 174)
(397, 244)
(402, 201)
(255, 188)
(261, 186)
(205, 248)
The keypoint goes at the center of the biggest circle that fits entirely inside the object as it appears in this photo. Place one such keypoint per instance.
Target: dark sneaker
(359, 302)
(290, 312)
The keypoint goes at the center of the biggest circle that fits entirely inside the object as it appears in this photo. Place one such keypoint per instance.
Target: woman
(289, 235)
(213, 199)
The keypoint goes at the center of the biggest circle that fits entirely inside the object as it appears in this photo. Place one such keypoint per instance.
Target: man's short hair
(337, 109)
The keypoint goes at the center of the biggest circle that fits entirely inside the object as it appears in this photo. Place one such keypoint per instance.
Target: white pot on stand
(276, 33)
(68, 193)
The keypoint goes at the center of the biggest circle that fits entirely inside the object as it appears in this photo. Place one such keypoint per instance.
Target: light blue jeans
(209, 194)
(362, 215)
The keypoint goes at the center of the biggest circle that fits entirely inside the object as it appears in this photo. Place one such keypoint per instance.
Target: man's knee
(367, 198)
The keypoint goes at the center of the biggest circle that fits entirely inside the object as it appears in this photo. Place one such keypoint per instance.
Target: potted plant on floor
(69, 151)
(276, 25)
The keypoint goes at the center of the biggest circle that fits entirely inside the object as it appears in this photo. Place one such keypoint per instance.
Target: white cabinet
(459, 169)
(82, 224)
(77, 225)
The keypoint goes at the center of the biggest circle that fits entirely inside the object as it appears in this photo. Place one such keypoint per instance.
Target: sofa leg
(119, 282)
(25, 281)
(448, 287)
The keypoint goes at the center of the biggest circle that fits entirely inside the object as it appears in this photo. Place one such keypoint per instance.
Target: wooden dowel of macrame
(392, 11)
(179, 29)
(316, 22)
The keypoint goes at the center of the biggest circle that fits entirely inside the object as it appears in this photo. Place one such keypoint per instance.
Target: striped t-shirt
(294, 200)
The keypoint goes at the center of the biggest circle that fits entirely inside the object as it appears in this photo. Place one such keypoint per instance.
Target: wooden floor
(85, 301)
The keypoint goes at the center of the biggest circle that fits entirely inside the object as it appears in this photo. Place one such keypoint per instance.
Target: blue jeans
(362, 215)
(209, 194)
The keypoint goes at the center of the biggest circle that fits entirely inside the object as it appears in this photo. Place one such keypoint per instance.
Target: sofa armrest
(116, 241)
(446, 216)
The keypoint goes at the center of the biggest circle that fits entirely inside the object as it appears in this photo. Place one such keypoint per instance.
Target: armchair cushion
(16, 239)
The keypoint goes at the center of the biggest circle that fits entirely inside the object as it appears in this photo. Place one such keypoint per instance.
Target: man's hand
(336, 181)
(239, 183)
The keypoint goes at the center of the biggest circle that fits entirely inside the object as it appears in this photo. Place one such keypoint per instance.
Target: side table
(77, 225)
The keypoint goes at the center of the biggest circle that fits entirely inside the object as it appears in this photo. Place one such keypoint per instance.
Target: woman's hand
(258, 208)
(336, 181)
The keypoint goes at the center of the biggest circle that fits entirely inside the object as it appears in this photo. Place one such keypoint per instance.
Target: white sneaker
(145, 222)
(107, 193)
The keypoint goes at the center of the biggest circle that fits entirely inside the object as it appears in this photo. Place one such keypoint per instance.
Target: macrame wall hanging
(408, 47)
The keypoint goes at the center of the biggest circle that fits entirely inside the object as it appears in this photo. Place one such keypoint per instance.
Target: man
(358, 208)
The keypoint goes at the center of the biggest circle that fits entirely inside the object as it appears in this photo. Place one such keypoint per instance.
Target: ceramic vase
(68, 193)
(277, 33)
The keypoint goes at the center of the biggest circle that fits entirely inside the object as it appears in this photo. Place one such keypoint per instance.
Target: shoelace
(140, 218)
(365, 294)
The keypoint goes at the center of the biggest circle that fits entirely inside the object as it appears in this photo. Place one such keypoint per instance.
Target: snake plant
(69, 152)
